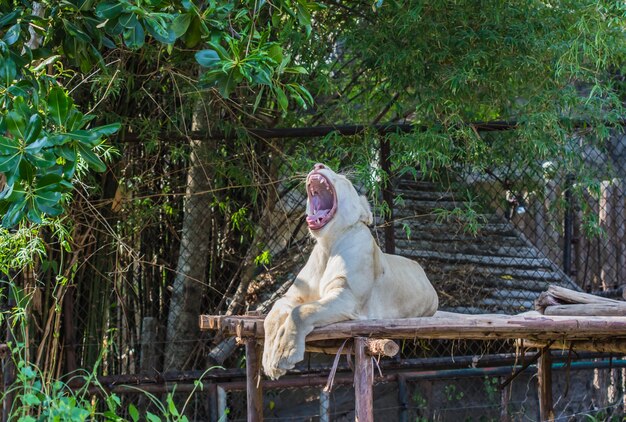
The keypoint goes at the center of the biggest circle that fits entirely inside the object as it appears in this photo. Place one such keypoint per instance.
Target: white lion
(346, 277)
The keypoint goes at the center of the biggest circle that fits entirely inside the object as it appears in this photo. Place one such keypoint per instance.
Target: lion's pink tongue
(313, 218)
(315, 201)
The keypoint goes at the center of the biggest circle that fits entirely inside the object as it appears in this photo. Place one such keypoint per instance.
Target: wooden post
(254, 392)
(363, 380)
(544, 377)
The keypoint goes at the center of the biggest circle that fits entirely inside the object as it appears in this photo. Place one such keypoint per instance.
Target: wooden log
(599, 345)
(363, 380)
(459, 326)
(544, 385)
(588, 309)
(373, 347)
(556, 295)
(254, 392)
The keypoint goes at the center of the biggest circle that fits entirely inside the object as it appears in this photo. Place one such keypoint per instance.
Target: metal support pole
(254, 391)
(568, 226)
(8, 365)
(222, 404)
(363, 382)
(324, 405)
(403, 399)
(385, 165)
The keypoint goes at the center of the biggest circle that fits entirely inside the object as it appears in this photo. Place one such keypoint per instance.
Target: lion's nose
(319, 166)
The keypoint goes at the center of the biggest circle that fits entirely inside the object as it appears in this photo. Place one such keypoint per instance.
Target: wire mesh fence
(181, 232)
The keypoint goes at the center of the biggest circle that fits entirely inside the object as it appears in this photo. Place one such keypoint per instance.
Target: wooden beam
(254, 391)
(444, 325)
(598, 346)
(363, 382)
(544, 376)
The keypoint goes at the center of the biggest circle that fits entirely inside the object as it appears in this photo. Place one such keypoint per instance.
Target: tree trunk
(182, 323)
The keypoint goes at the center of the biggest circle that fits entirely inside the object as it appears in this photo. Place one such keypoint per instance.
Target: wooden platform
(571, 329)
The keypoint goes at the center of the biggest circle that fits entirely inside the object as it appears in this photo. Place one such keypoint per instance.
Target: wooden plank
(363, 380)
(544, 385)
(588, 309)
(254, 391)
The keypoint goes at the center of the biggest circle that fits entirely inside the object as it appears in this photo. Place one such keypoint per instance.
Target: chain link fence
(179, 229)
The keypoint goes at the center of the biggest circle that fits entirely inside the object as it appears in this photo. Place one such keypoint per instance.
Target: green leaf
(157, 28)
(33, 129)
(91, 158)
(15, 213)
(30, 399)
(85, 136)
(297, 69)
(133, 412)
(41, 159)
(276, 53)
(67, 151)
(26, 171)
(48, 180)
(58, 105)
(9, 165)
(135, 36)
(181, 23)
(172, 406)
(16, 124)
(107, 130)
(283, 102)
(152, 417)
(227, 83)
(9, 18)
(33, 213)
(194, 33)
(109, 9)
(8, 71)
(12, 35)
(8, 146)
(128, 20)
(207, 58)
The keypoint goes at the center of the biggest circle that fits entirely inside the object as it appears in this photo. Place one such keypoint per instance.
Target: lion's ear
(366, 212)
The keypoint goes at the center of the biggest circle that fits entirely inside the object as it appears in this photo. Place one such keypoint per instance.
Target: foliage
(151, 75)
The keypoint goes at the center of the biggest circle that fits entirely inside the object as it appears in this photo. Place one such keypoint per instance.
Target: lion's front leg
(289, 343)
(272, 324)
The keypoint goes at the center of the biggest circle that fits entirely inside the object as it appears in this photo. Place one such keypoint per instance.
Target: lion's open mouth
(322, 201)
